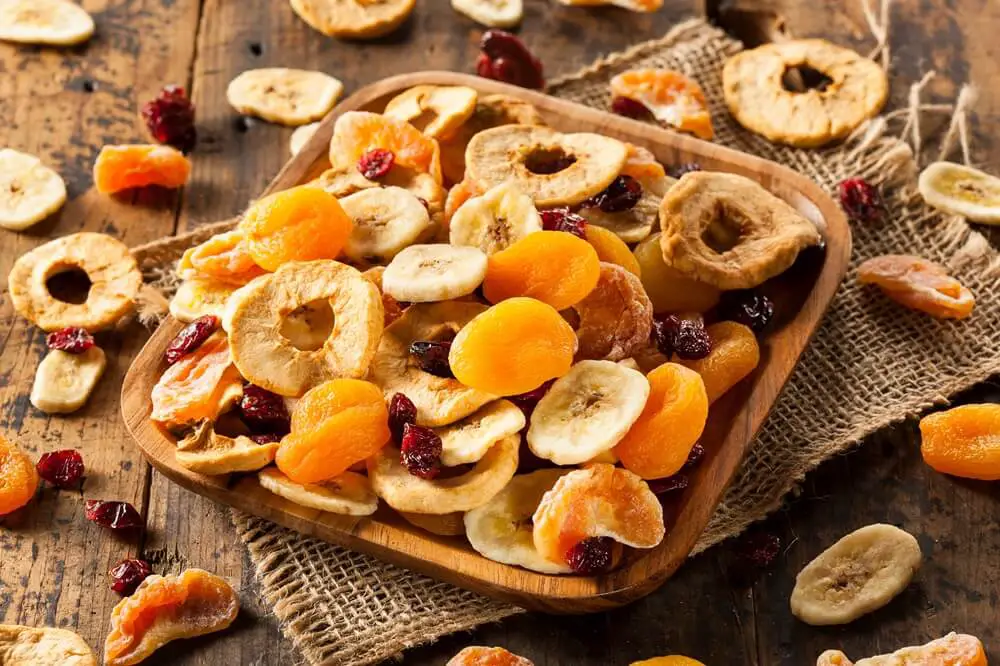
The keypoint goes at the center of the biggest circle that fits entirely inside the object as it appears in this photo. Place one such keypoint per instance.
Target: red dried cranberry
(691, 340)
(628, 107)
(402, 412)
(759, 548)
(861, 200)
(681, 169)
(113, 515)
(622, 194)
(664, 328)
(376, 163)
(170, 118)
(671, 484)
(191, 337)
(263, 410)
(73, 340)
(266, 437)
(505, 58)
(127, 574)
(562, 219)
(591, 556)
(528, 401)
(695, 457)
(748, 307)
(433, 356)
(62, 469)
(420, 452)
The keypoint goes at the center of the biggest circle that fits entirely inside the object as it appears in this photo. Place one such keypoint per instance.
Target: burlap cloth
(870, 364)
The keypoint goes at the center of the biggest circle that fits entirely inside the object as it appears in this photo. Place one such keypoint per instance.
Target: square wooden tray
(802, 295)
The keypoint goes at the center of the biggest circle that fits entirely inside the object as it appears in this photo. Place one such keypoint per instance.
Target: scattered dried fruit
(191, 337)
(951, 650)
(62, 469)
(288, 96)
(55, 22)
(64, 382)
(170, 118)
(487, 656)
(72, 340)
(18, 477)
(29, 191)
(962, 190)
(113, 515)
(128, 574)
(918, 284)
(127, 167)
(28, 646)
(505, 58)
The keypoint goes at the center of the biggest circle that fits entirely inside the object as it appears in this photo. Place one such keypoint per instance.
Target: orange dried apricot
(18, 477)
(476, 655)
(224, 257)
(513, 347)
(611, 248)
(918, 284)
(201, 385)
(300, 224)
(735, 354)
(641, 164)
(672, 660)
(671, 97)
(334, 426)
(963, 441)
(667, 288)
(658, 443)
(951, 650)
(165, 608)
(124, 167)
(554, 267)
(357, 133)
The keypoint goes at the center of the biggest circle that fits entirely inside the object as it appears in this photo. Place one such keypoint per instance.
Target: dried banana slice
(64, 382)
(256, 313)
(586, 412)
(638, 222)
(449, 524)
(860, 573)
(495, 220)
(114, 282)
(439, 400)
(752, 82)
(45, 646)
(386, 220)
(437, 111)
(429, 273)
(501, 529)
(300, 137)
(468, 440)
(197, 298)
(405, 492)
(207, 452)
(491, 13)
(553, 169)
(349, 494)
(55, 22)
(961, 190)
(286, 96)
(29, 190)
(353, 19)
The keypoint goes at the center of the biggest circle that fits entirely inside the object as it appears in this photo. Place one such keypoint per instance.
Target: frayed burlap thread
(870, 364)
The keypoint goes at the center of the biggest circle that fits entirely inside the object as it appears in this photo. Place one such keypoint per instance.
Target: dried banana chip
(29, 190)
(55, 22)
(491, 13)
(64, 381)
(962, 190)
(300, 137)
(437, 111)
(349, 494)
(468, 440)
(354, 19)
(286, 96)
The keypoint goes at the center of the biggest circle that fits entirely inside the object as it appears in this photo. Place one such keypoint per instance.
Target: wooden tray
(802, 294)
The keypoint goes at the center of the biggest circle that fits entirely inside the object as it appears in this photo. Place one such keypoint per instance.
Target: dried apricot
(556, 268)
(165, 608)
(124, 167)
(641, 164)
(667, 288)
(918, 284)
(659, 443)
(513, 347)
(300, 224)
(334, 425)
(476, 655)
(951, 650)
(735, 353)
(356, 133)
(963, 441)
(224, 257)
(671, 660)
(201, 385)
(611, 248)
(18, 477)
(671, 97)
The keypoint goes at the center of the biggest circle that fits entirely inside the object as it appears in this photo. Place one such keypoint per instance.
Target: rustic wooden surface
(62, 105)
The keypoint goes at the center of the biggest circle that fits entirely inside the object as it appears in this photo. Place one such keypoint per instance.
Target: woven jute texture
(870, 364)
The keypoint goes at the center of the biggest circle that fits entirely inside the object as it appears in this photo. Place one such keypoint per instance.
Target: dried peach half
(358, 133)
(951, 650)
(735, 354)
(199, 386)
(670, 660)
(224, 258)
(918, 284)
(125, 167)
(476, 655)
(671, 97)
(18, 478)
(963, 441)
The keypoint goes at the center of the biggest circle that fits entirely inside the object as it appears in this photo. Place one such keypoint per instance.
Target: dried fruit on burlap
(201, 385)
(951, 650)
(962, 190)
(43, 646)
(734, 355)
(487, 656)
(963, 441)
(18, 477)
(166, 608)
(287, 96)
(353, 19)
(672, 98)
(126, 167)
(918, 284)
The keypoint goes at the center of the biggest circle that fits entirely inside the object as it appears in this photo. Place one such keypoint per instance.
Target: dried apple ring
(357, 133)
(114, 282)
(616, 318)
(918, 284)
(349, 494)
(638, 222)
(255, 315)
(224, 257)
(44, 646)
(205, 451)
(437, 111)
(165, 608)
(671, 97)
(729, 232)
(553, 169)
(405, 492)
(598, 501)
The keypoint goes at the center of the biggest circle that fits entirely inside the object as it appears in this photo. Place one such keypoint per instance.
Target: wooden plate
(802, 295)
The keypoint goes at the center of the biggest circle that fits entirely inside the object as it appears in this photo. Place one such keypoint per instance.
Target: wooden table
(63, 105)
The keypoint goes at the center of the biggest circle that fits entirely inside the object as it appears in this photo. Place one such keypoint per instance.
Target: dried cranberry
(402, 412)
(528, 401)
(759, 548)
(376, 163)
(681, 169)
(73, 340)
(748, 307)
(267, 437)
(591, 556)
(562, 219)
(113, 515)
(628, 107)
(691, 340)
(62, 469)
(505, 58)
(191, 337)
(263, 410)
(420, 452)
(861, 200)
(127, 574)
(433, 356)
(671, 484)
(622, 194)
(170, 118)
(695, 457)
